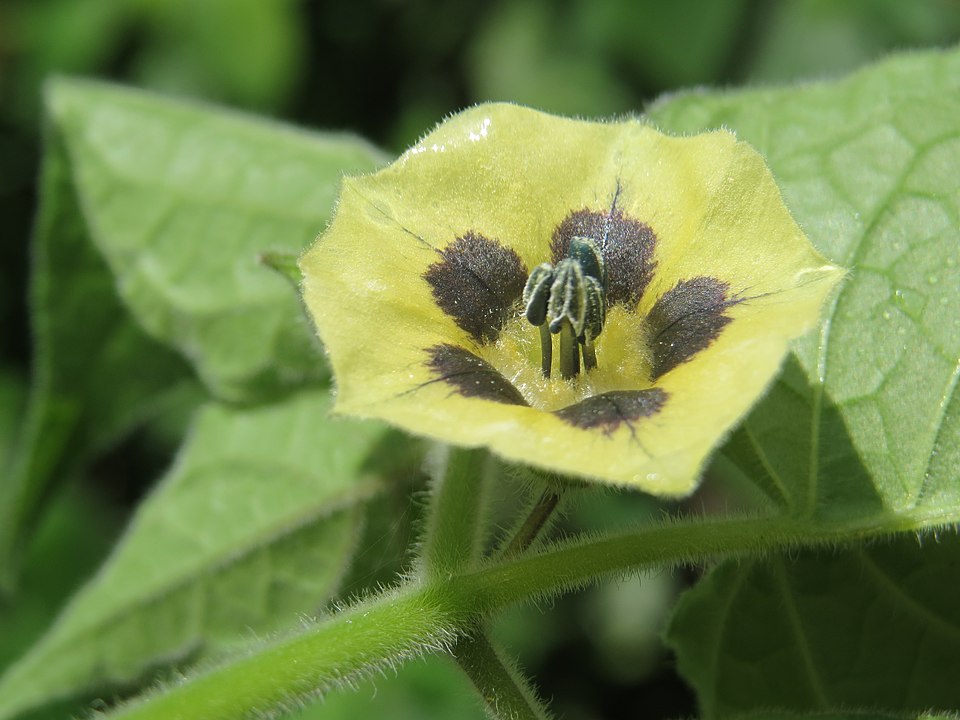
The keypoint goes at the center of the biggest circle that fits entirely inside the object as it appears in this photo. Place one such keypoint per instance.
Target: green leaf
(864, 424)
(181, 200)
(874, 627)
(168, 205)
(84, 341)
(863, 427)
(74, 536)
(254, 525)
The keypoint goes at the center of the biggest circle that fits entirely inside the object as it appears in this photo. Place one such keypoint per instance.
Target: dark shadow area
(774, 447)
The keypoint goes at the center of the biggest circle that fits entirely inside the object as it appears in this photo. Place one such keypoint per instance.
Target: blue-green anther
(596, 311)
(568, 299)
(596, 315)
(536, 293)
(586, 251)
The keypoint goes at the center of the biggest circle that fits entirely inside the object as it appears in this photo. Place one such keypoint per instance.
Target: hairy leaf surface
(863, 427)
(254, 525)
(146, 273)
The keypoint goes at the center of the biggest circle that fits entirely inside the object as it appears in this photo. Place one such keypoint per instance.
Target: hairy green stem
(534, 522)
(422, 617)
(503, 688)
(455, 519)
(335, 652)
(576, 562)
(501, 685)
(452, 544)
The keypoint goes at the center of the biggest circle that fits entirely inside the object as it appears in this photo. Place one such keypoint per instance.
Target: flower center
(569, 299)
(623, 361)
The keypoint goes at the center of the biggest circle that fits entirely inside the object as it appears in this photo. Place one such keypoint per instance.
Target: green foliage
(147, 293)
(180, 202)
(865, 422)
(254, 524)
(183, 47)
(867, 165)
(85, 340)
(870, 627)
(154, 214)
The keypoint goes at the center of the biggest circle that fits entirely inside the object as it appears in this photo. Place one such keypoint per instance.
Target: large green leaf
(868, 628)
(866, 421)
(153, 214)
(863, 428)
(253, 526)
(181, 200)
(84, 342)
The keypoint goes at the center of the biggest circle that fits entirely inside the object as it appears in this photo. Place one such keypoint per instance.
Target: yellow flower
(417, 291)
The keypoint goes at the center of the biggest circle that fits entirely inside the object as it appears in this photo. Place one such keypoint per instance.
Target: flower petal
(415, 291)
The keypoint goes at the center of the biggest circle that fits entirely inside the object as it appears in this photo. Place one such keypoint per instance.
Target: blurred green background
(389, 70)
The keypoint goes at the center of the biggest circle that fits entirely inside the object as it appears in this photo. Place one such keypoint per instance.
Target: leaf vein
(796, 623)
(920, 612)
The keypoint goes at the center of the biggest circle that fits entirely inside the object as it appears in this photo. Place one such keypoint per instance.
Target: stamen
(569, 299)
(589, 355)
(596, 315)
(536, 296)
(569, 351)
(587, 253)
(546, 349)
(536, 293)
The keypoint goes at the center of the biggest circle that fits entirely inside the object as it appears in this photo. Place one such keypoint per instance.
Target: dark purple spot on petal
(471, 375)
(476, 283)
(685, 320)
(611, 409)
(626, 244)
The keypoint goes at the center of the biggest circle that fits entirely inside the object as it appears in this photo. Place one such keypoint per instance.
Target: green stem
(503, 688)
(575, 562)
(418, 618)
(335, 652)
(285, 264)
(533, 523)
(455, 520)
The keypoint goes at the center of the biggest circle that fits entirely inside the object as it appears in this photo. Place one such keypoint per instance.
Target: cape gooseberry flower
(597, 299)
